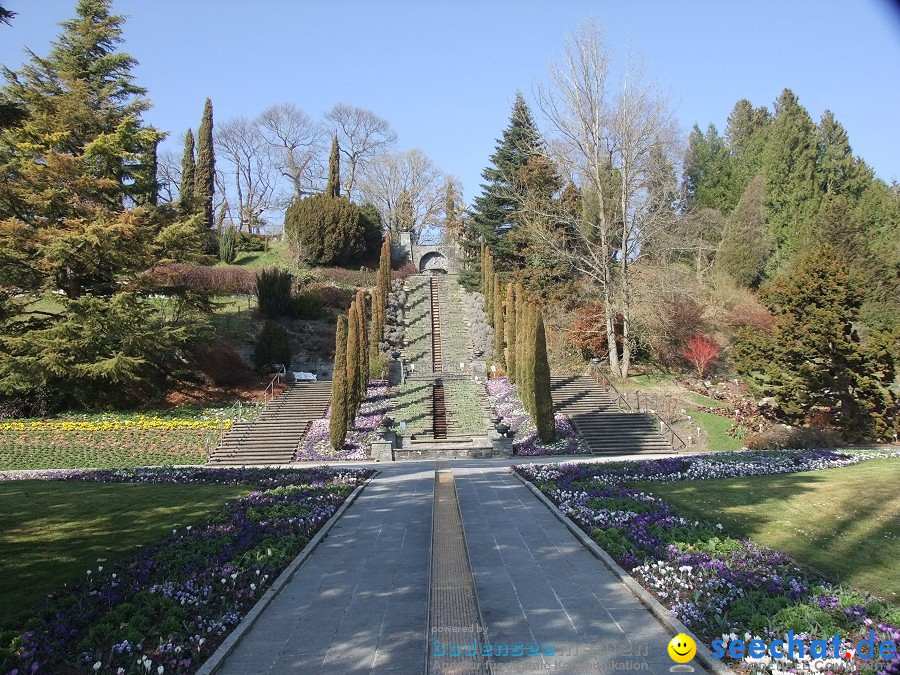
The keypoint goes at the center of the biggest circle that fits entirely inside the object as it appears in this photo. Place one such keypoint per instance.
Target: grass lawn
(52, 532)
(275, 257)
(843, 522)
(714, 428)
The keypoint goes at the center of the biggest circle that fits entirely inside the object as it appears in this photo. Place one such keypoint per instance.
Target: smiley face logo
(682, 648)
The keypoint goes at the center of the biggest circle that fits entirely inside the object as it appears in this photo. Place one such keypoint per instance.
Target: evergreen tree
(520, 334)
(205, 172)
(526, 381)
(333, 186)
(511, 332)
(789, 165)
(337, 426)
(354, 373)
(746, 244)
(489, 286)
(494, 210)
(707, 171)
(543, 401)
(188, 168)
(228, 245)
(322, 230)
(837, 170)
(498, 324)
(363, 335)
(817, 362)
(746, 134)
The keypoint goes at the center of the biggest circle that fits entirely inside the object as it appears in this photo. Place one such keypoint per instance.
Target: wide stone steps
(605, 428)
(273, 437)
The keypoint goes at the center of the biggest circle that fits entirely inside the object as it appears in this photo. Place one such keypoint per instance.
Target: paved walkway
(360, 603)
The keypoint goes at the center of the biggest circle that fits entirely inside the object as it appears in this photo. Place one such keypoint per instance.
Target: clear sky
(445, 73)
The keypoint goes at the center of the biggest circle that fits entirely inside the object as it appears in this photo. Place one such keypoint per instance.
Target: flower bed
(418, 314)
(168, 608)
(718, 585)
(412, 404)
(316, 446)
(464, 408)
(504, 399)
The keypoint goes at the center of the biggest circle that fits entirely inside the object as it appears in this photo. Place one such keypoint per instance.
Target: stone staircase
(605, 428)
(273, 437)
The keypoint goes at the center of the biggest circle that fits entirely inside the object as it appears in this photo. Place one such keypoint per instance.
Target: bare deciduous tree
(407, 189)
(168, 175)
(362, 136)
(614, 139)
(297, 142)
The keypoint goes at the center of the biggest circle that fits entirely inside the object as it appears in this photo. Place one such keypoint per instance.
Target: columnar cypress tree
(205, 176)
(362, 336)
(337, 427)
(354, 375)
(498, 324)
(511, 332)
(520, 331)
(543, 401)
(186, 192)
(382, 290)
(333, 187)
(489, 287)
(525, 368)
(228, 245)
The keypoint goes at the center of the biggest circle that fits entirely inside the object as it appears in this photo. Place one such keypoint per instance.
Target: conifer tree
(354, 373)
(498, 324)
(362, 335)
(520, 332)
(205, 173)
(188, 169)
(746, 244)
(543, 401)
(333, 186)
(337, 426)
(527, 379)
(511, 302)
(228, 245)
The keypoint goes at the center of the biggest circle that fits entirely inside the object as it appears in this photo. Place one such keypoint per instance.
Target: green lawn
(714, 428)
(52, 532)
(274, 257)
(844, 522)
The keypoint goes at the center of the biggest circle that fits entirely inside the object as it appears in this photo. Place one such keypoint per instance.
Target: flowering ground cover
(315, 444)
(718, 583)
(464, 406)
(456, 338)
(412, 403)
(167, 607)
(503, 398)
(418, 313)
(157, 438)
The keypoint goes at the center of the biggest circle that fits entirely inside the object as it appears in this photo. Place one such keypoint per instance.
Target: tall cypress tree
(543, 401)
(205, 176)
(337, 426)
(746, 245)
(511, 332)
(520, 333)
(354, 373)
(362, 336)
(333, 186)
(188, 169)
(498, 324)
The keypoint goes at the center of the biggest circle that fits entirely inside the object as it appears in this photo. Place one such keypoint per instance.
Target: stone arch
(433, 261)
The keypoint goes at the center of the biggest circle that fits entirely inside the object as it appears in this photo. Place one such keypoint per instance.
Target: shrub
(220, 364)
(332, 296)
(337, 424)
(783, 436)
(588, 332)
(273, 292)
(407, 269)
(701, 352)
(307, 305)
(680, 320)
(228, 245)
(215, 280)
(328, 231)
(273, 345)
(250, 242)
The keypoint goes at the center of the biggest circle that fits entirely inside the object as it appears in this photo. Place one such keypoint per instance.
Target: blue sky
(445, 74)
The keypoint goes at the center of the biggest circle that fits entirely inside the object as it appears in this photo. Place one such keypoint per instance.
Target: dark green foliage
(817, 367)
(339, 396)
(707, 171)
(250, 242)
(372, 230)
(333, 186)
(205, 176)
(511, 332)
(382, 290)
(273, 346)
(746, 244)
(354, 362)
(498, 324)
(273, 293)
(746, 135)
(323, 230)
(362, 335)
(306, 305)
(543, 402)
(188, 171)
(228, 245)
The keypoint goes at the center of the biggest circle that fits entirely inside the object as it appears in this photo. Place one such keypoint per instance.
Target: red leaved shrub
(406, 270)
(701, 352)
(224, 280)
(588, 332)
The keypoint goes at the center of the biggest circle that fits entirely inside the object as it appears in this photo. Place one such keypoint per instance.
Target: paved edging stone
(673, 625)
(214, 662)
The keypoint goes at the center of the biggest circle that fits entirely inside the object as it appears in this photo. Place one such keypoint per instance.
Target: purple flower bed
(504, 399)
(167, 609)
(316, 446)
(718, 585)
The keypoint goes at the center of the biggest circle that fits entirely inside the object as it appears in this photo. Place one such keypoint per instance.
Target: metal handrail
(622, 401)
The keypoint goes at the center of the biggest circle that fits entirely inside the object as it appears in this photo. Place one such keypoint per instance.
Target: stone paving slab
(536, 584)
(360, 603)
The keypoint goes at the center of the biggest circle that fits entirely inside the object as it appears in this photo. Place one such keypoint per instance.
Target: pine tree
(205, 172)
(543, 401)
(354, 374)
(498, 324)
(337, 425)
(838, 172)
(333, 186)
(494, 210)
(746, 135)
(511, 332)
(707, 171)
(746, 244)
(188, 169)
(789, 165)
